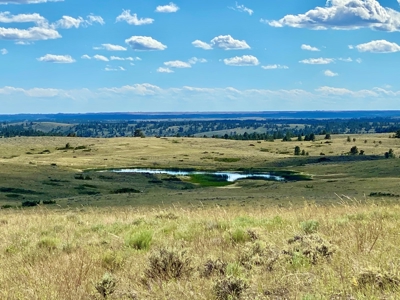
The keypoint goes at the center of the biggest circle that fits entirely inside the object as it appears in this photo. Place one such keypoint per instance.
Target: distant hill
(125, 116)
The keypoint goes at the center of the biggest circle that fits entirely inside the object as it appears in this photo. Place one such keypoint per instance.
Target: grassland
(347, 251)
(45, 169)
(104, 235)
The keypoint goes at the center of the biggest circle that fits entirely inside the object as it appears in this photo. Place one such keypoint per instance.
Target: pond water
(229, 176)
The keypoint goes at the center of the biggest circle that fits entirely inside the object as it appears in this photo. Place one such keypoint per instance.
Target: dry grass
(183, 152)
(346, 251)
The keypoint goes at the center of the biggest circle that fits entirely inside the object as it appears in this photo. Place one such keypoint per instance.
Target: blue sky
(152, 55)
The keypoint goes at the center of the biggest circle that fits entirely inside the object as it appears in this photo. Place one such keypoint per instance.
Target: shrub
(49, 202)
(239, 236)
(30, 203)
(313, 247)
(390, 154)
(211, 267)
(229, 288)
(106, 286)
(167, 264)
(48, 243)
(140, 240)
(377, 279)
(354, 150)
(310, 226)
(297, 150)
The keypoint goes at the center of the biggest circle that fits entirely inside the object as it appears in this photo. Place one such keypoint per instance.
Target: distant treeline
(227, 129)
(8, 131)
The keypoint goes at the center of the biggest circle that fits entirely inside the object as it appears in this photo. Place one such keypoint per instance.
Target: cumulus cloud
(224, 42)
(67, 22)
(144, 43)
(242, 8)
(379, 46)
(309, 48)
(7, 17)
(349, 59)
(200, 44)
(177, 64)
(112, 69)
(123, 58)
(133, 19)
(242, 61)
(100, 57)
(85, 56)
(30, 34)
(3, 51)
(169, 8)
(317, 61)
(344, 14)
(195, 60)
(110, 47)
(164, 70)
(274, 67)
(329, 73)
(60, 59)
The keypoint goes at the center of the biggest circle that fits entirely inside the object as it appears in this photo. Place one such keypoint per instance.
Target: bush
(106, 286)
(211, 267)
(239, 236)
(390, 154)
(354, 150)
(297, 150)
(229, 288)
(167, 264)
(30, 203)
(377, 279)
(140, 240)
(309, 226)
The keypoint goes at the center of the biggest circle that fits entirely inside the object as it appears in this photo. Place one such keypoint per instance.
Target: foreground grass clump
(343, 251)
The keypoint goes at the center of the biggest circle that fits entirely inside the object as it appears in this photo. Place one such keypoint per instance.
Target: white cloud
(85, 56)
(61, 59)
(164, 70)
(359, 60)
(27, 1)
(177, 64)
(3, 51)
(329, 73)
(111, 47)
(100, 57)
(144, 43)
(379, 46)
(133, 19)
(200, 44)
(317, 61)
(94, 19)
(30, 34)
(195, 60)
(122, 58)
(309, 48)
(225, 42)
(7, 17)
(273, 67)
(112, 69)
(349, 59)
(242, 61)
(242, 8)
(344, 14)
(68, 22)
(169, 8)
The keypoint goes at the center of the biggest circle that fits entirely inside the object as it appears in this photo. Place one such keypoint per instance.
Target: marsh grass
(216, 253)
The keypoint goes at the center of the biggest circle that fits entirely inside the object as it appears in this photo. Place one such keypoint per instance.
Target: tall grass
(346, 251)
